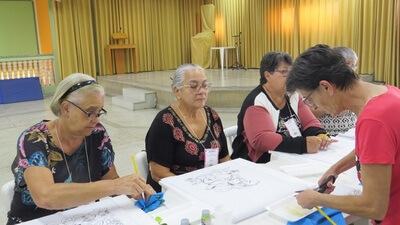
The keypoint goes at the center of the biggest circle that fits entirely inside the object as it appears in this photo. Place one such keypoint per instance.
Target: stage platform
(229, 87)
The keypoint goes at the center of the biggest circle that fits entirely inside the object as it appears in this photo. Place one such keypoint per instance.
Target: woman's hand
(149, 191)
(313, 144)
(325, 141)
(306, 198)
(329, 172)
(132, 185)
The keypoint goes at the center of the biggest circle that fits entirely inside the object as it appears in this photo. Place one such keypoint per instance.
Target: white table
(223, 53)
(266, 218)
(180, 205)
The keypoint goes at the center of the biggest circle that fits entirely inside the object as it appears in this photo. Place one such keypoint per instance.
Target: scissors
(322, 188)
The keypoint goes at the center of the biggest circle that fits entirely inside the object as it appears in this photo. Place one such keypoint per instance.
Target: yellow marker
(322, 136)
(326, 216)
(134, 164)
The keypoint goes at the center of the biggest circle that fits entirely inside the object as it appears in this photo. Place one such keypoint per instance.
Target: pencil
(143, 196)
(134, 164)
(322, 136)
(326, 216)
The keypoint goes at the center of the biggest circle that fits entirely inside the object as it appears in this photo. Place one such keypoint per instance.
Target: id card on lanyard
(210, 156)
(292, 128)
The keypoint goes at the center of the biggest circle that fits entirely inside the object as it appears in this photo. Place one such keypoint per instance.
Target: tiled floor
(127, 130)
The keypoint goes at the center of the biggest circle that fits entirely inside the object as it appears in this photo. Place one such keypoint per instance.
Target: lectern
(119, 54)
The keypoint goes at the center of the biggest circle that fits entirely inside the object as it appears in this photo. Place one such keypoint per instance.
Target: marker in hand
(322, 136)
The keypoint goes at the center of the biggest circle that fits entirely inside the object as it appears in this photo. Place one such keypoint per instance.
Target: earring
(66, 116)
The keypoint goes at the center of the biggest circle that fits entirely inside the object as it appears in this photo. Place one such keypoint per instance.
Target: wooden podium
(119, 54)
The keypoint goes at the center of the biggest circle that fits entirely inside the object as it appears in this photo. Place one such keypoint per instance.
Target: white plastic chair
(140, 163)
(7, 193)
(230, 134)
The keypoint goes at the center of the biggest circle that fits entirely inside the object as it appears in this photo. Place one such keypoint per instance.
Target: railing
(32, 66)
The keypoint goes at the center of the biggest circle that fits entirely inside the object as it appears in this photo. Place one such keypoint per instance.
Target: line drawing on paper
(96, 217)
(223, 180)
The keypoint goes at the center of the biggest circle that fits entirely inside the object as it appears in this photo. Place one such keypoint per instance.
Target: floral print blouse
(170, 143)
(36, 147)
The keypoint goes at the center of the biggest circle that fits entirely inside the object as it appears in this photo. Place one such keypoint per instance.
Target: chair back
(140, 163)
(7, 194)
(230, 134)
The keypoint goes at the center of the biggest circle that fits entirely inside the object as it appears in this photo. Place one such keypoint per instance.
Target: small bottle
(185, 221)
(205, 217)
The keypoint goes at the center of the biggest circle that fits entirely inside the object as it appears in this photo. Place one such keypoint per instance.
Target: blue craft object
(316, 218)
(153, 203)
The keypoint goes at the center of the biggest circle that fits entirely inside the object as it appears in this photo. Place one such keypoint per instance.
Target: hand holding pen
(325, 140)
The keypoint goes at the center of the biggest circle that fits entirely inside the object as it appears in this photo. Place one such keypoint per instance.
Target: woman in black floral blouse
(187, 135)
(68, 161)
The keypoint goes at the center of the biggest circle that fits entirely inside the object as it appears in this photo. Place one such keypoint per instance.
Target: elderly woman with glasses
(322, 73)
(68, 161)
(187, 135)
(272, 119)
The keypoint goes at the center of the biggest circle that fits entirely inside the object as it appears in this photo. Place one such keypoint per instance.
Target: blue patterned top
(36, 147)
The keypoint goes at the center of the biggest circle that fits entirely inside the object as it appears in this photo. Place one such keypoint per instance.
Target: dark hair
(270, 62)
(320, 63)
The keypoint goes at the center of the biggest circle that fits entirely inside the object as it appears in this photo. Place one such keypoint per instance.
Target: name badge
(210, 156)
(292, 127)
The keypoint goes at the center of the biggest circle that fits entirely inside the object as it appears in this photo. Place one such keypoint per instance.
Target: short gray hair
(348, 54)
(179, 75)
(74, 96)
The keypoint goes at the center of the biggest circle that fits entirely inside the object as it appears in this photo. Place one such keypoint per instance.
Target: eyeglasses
(90, 115)
(283, 72)
(309, 102)
(195, 87)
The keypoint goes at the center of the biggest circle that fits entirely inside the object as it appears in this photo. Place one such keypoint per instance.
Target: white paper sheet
(245, 185)
(335, 152)
(305, 169)
(112, 211)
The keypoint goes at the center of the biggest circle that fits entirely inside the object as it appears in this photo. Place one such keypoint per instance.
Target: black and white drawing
(96, 217)
(223, 180)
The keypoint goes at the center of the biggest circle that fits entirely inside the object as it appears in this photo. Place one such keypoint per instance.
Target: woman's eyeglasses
(308, 101)
(283, 72)
(90, 115)
(195, 87)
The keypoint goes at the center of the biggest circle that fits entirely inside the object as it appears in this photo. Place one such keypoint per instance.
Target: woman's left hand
(326, 141)
(306, 199)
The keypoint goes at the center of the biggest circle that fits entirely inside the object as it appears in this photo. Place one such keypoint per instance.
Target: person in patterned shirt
(187, 135)
(68, 161)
